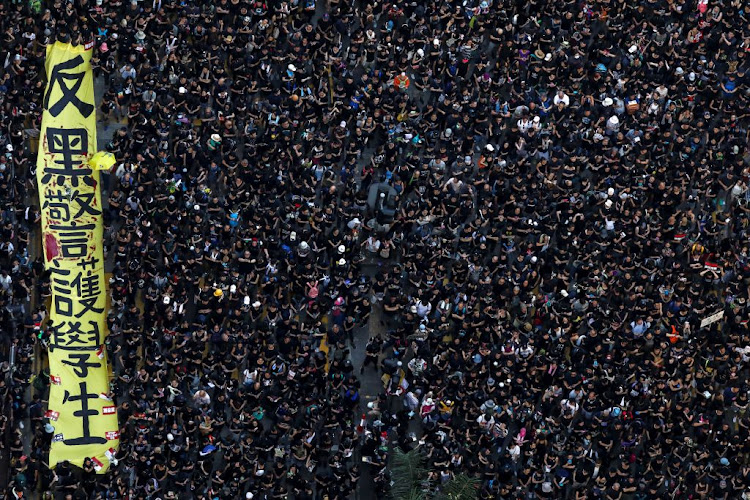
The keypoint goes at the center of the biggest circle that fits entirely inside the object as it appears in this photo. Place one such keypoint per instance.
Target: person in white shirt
(202, 398)
(5, 280)
(524, 124)
(613, 124)
(372, 244)
(561, 97)
(423, 309)
(127, 71)
(454, 184)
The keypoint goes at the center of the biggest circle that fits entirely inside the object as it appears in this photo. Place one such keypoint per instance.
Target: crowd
(531, 206)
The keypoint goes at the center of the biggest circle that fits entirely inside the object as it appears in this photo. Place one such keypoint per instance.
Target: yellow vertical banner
(80, 408)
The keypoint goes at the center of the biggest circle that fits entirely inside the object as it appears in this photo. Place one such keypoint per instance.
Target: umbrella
(102, 160)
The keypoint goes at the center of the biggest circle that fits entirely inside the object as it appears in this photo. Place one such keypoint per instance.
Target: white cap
(436, 42)
(534, 259)
(249, 495)
(610, 192)
(608, 203)
(342, 249)
(342, 124)
(303, 245)
(420, 52)
(548, 56)
(536, 119)
(607, 102)
(182, 90)
(256, 304)
(614, 119)
(292, 68)
(233, 289)
(170, 437)
(246, 301)
(490, 148)
(633, 49)
(342, 262)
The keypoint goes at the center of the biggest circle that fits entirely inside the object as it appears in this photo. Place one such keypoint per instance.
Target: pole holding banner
(80, 408)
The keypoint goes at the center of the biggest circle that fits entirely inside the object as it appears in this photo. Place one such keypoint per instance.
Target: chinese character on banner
(80, 363)
(59, 78)
(85, 414)
(66, 144)
(73, 239)
(60, 202)
(75, 335)
(71, 286)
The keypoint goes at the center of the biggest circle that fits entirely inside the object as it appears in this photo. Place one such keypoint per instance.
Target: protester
(530, 206)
